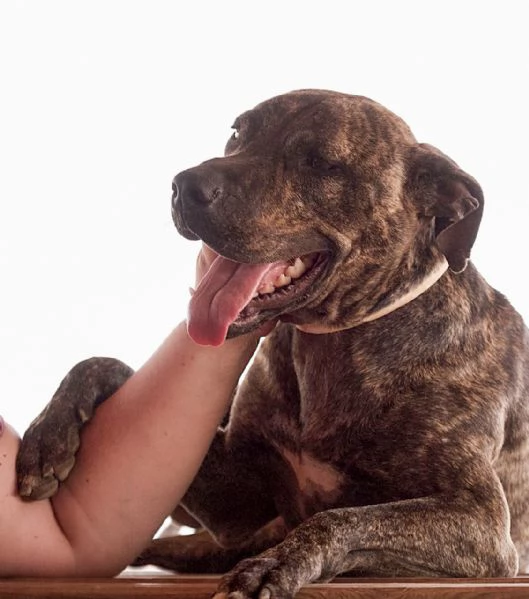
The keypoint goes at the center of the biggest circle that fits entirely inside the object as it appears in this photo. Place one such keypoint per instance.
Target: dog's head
(325, 212)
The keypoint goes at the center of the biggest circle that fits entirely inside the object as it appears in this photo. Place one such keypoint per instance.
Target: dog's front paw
(46, 455)
(267, 576)
(312, 551)
(47, 451)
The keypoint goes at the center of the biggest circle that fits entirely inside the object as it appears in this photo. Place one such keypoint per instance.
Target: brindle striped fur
(392, 445)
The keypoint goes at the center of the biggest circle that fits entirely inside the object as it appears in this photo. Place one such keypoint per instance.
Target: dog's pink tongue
(224, 291)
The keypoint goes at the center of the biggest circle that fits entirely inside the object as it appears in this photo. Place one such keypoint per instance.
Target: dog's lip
(180, 222)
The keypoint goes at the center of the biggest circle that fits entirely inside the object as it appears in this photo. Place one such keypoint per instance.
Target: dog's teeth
(282, 280)
(266, 288)
(296, 270)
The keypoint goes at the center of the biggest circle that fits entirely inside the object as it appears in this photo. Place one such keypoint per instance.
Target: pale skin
(137, 458)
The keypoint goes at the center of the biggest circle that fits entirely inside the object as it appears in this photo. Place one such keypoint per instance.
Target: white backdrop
(102, 102)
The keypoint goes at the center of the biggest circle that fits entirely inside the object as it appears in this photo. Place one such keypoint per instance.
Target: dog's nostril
(174, 197)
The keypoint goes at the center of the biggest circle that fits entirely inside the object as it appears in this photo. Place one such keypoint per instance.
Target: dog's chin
(284, 300)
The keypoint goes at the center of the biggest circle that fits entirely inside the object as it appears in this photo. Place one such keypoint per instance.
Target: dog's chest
(337, 438)
(317, 485)
(327, 432)
(312, 440)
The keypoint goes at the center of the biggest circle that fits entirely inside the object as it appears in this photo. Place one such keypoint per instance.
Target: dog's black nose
(193, 187)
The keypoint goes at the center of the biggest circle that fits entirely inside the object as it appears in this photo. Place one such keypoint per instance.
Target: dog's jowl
(382, 428)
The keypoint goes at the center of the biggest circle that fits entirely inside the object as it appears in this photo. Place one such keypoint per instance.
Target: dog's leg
(48, 448)
(200, 554)
(240, 481)
(458, 535)
(232, 495)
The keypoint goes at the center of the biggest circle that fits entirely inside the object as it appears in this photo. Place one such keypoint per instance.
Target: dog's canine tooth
(296, 270)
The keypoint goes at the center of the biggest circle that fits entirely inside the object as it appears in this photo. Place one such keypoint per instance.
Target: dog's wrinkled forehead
(352, 126)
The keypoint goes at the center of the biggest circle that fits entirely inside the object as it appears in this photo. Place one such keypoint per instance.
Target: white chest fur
(319, 484)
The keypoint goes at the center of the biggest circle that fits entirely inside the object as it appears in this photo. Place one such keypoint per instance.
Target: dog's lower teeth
(268, 288)
(282, 280)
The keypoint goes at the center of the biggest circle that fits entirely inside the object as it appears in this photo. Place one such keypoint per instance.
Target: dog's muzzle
(188, 194)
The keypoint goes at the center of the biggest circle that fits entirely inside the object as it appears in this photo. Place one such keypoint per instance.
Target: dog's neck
(420, 287)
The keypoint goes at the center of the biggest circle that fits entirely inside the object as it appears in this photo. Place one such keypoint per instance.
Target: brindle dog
(382, 428)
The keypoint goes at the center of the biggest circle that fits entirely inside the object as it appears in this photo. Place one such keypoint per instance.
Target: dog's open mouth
(243, 296)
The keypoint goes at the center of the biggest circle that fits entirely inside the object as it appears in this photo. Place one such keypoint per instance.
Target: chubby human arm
(137, 457)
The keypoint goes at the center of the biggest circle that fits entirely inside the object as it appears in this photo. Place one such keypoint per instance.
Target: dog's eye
(314, 162)
(323, 166)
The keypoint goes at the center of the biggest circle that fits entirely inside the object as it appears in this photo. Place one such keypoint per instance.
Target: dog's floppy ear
(442, 191)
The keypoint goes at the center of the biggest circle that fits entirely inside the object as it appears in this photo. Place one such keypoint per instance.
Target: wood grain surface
(202, 587)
